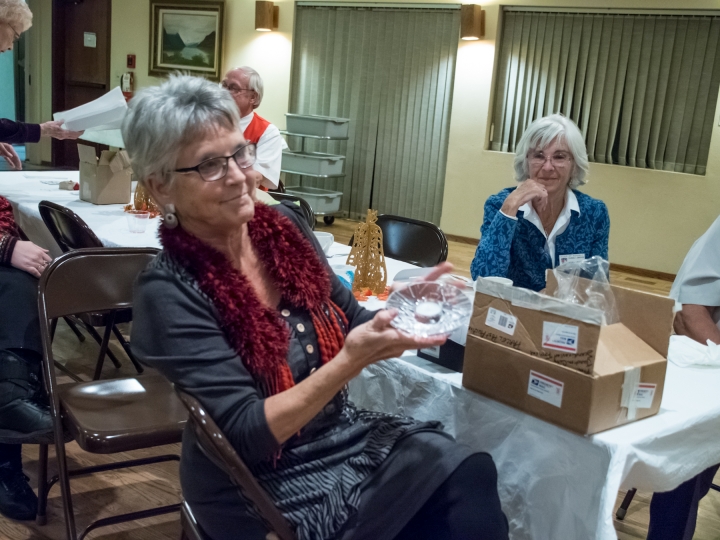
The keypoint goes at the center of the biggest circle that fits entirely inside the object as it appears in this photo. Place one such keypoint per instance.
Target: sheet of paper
(106, 112)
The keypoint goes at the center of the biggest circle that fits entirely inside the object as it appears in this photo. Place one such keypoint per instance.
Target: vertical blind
(642, 88)
(391, 72)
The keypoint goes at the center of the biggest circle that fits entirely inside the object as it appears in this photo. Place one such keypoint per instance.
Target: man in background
(246, 87)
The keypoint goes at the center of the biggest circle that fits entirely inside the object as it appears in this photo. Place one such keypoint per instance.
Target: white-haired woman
(242, 311)
(15, 18)
(544, 221)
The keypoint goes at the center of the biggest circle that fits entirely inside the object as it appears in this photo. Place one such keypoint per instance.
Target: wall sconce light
(472, 22)
(266, 16)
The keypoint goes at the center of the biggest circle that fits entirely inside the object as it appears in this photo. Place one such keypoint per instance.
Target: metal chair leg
(128, 351)
(53, 326)
(104, 348)
(620, 514)
(99, 340)
(43, 489)
(74, 328)
(715, 487)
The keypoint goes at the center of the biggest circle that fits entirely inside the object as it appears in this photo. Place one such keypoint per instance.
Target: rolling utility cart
(324, 202)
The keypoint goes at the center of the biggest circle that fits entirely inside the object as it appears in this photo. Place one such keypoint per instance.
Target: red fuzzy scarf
(255, 331)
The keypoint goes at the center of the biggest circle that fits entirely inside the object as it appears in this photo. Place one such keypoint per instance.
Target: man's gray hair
(162, 120)
(255, 83)
(17, 14)
(540, 134)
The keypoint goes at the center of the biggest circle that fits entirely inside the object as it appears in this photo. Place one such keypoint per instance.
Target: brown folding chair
(71, 232)
(104, 417)
(190, 528)
(217, 447)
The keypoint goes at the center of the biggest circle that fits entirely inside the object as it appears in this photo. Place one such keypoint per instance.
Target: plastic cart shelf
(328, 214)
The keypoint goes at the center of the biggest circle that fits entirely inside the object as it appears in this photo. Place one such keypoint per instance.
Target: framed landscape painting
(186, 36)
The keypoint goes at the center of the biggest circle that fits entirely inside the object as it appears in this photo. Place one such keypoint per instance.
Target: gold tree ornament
(143, 201)
(367, 256)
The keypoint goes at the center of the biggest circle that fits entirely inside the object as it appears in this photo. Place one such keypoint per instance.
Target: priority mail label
(504, 322)
(573, 257)
(545, 388)
(560, 337)
(644, 394)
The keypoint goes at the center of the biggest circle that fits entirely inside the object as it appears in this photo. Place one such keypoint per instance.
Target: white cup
(137, 220)
(326, 240)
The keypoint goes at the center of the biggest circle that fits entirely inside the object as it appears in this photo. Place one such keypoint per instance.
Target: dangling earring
(170, 219)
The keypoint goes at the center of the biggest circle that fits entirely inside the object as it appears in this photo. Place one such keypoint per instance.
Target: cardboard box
(628, 369)
(107, 180)
(566, 333)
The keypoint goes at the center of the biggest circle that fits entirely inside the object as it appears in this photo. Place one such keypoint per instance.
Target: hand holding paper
(54, 129)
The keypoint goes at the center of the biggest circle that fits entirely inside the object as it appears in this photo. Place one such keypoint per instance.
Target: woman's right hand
(30, 258)
(527, 191)
(378, 340)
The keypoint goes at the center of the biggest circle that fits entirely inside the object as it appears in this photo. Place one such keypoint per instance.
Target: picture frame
(186, 36)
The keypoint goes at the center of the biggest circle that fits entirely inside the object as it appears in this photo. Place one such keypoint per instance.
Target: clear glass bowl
(428, 308)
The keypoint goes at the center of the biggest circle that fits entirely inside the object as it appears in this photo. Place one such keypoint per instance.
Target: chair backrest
(67, 228)
(412, 241)
(94, 279)
(306, 208)
(219, 449)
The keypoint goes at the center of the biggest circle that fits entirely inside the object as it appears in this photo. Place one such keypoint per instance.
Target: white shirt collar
(245, 121)
(563, 220)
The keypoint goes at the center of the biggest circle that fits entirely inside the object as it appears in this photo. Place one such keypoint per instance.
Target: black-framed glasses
(216, 168)
(234, 89)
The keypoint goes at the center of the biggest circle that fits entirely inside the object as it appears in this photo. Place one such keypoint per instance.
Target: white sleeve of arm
(269, 156)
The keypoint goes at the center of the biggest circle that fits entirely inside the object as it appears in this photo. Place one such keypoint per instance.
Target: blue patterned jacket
(516, 249)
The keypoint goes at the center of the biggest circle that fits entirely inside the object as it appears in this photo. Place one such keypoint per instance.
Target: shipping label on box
(545, 327)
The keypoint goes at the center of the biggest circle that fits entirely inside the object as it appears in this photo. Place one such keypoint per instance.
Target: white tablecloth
(553, 484)
(25, 190)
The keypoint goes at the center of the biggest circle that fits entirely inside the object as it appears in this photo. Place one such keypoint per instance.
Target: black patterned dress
(348, 474)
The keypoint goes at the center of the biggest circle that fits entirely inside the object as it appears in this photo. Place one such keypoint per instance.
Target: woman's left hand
(30, 258)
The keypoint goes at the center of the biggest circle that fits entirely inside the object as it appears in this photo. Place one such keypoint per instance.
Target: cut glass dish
(428, 308)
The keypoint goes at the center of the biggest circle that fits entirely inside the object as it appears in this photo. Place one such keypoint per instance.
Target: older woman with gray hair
(545, 221)
(16, 18)
(242, 311)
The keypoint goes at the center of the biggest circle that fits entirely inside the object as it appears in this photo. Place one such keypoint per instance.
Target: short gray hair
(17, 14)
(162, 120)
(541, 133)
(255, 83)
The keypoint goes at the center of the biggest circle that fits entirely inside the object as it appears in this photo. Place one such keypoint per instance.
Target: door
(81, 63)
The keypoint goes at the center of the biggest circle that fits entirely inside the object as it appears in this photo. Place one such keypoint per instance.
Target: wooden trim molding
(463, 239)
(642, 272)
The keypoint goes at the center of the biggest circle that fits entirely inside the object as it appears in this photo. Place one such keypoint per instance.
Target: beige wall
(655, 215)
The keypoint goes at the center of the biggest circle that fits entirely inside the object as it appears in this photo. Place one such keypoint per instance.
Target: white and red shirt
(270, 145)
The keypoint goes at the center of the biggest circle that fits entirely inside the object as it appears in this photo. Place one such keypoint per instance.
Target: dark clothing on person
(344, 473)
(463, 508)
(673, 514)
(18, 132)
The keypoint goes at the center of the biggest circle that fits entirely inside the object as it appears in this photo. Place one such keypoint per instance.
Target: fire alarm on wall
(131, 61)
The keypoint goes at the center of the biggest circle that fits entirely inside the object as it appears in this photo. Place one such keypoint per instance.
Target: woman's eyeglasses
(558, 159)
(216, 168)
